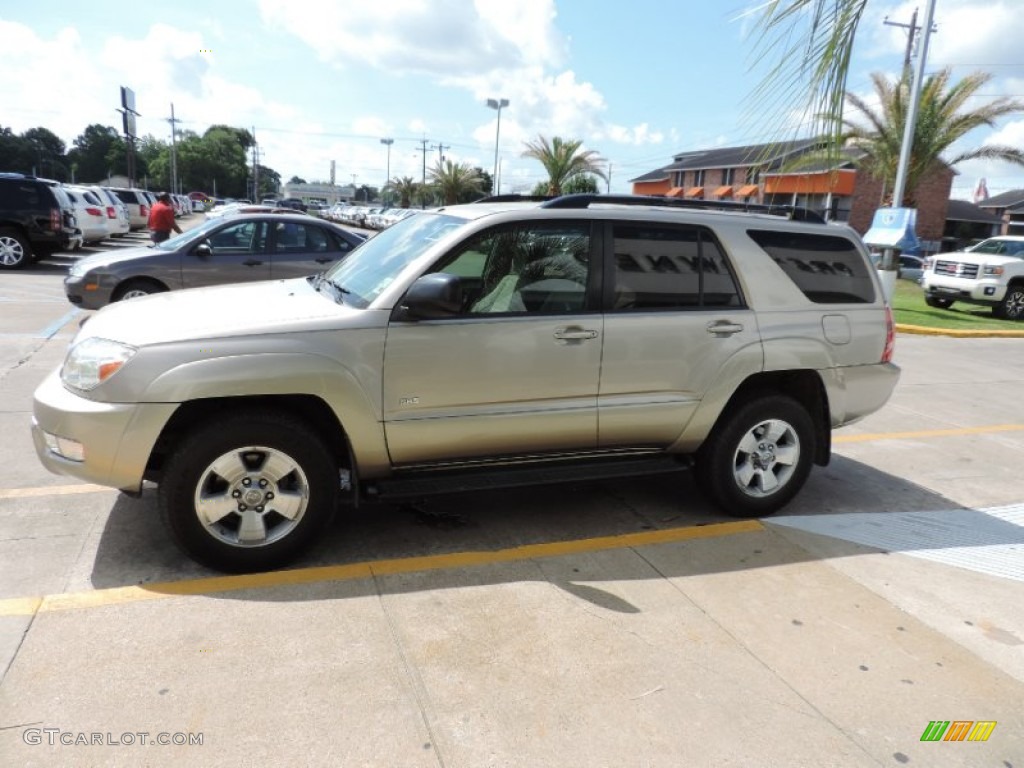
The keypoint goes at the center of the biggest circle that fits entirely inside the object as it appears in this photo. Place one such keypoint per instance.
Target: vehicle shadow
(134, 550)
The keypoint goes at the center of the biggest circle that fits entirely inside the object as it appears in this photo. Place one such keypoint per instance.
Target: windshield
(185, 238)
(1001, 247)
(370, 268)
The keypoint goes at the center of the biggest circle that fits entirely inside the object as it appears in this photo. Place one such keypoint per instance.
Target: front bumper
(88, 291)
(986, 290)
(117, 438)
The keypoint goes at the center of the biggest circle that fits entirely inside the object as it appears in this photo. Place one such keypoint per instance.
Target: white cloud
(439, 37)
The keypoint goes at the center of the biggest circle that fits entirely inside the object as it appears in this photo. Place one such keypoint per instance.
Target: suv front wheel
(248, 492)
(758, 457)
(1012, 305)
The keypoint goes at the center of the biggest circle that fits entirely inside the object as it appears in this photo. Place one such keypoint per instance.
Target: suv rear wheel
(15, 252)
(248, 492)
(758, 457)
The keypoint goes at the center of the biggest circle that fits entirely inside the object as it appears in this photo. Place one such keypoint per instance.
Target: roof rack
(793, 212)
(514, 199)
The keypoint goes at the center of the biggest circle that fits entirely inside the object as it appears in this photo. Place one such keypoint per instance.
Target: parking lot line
(50, 490)
(57, 324)
(992, 429)
(27, 606)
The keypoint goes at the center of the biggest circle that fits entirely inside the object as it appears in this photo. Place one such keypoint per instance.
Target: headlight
(990, 270)
(93, 361)
(78, 269)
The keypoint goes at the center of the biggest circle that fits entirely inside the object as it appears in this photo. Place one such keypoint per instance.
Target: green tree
(269, 183)
(15, 152)
(454, 182)
(563, 159)
(947, 111)
(97, 152)
(405, 188)
(47, 153)
(296, 180)
(580, 183)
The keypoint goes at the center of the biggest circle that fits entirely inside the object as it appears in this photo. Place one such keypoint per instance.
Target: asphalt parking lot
(619, 623)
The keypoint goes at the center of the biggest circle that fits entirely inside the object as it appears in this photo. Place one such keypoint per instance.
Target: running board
(423, 483)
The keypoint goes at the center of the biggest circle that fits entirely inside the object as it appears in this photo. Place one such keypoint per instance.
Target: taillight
(94, 211)
(890, 336)
(111, 213)
(143, 210)
(55, 219)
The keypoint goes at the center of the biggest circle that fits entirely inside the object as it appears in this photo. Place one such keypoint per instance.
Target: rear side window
(828, 269)
(670, 268)
(15, 196)
(126, 196)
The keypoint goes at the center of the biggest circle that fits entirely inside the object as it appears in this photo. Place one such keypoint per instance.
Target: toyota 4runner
(990, 274)
(496, 343)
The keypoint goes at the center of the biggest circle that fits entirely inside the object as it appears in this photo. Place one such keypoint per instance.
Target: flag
(980, 192)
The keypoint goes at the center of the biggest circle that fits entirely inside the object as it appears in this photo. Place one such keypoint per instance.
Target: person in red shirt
(161, 219)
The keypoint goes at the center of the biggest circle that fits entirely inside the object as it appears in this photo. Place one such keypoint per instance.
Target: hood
(106, 258)
(241, 309)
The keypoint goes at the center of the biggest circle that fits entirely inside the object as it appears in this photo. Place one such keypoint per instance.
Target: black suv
(36, 220)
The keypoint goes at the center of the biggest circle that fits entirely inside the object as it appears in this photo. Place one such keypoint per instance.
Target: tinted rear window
(828, 269)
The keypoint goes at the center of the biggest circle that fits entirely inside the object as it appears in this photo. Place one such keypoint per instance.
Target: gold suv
(502, 342)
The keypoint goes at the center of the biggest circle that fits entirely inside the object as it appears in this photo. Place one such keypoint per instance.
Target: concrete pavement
(606, 624)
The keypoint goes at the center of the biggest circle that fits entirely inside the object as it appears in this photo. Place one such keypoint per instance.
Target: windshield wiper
(321, 279)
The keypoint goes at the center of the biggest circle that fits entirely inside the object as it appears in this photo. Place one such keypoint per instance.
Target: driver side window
(529, 268)
(243, 237)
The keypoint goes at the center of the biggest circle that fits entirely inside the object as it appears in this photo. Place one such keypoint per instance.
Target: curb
(922, 330)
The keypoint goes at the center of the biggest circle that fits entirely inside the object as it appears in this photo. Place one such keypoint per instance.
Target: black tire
(136, 288)
(15, 250)
(938, 303)
(752, 480)
(261, 473)
(1012, 305)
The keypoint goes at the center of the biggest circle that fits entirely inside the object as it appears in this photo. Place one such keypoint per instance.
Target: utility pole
(423, 149)
(174, 149)
(912, 35)
(255, 167)
(440, 152)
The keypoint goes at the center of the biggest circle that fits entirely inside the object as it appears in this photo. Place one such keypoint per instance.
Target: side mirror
(431, 297)
(203, 250)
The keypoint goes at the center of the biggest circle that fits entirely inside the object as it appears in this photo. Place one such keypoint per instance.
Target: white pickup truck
(990, 273)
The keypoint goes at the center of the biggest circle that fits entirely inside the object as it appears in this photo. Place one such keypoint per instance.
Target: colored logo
(958, 730)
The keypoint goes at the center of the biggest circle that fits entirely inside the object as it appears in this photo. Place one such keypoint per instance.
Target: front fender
(284, 374)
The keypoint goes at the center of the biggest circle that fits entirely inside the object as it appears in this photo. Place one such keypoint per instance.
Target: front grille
(957, 269)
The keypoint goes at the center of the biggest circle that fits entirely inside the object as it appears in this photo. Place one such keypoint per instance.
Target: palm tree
(942, 120)
(812, 41)
(404, 187)
(455, 181)
(562, 159)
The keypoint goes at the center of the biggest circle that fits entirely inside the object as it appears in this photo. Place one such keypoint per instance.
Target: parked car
(989, 274)
(476, 346)
(117, 211)
(36, 219)
(237, 249)
(90, 213)
(138, 204)
(908, 267)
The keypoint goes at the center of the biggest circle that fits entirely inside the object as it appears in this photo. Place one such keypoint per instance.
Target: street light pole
(497, 104)
(387, 179)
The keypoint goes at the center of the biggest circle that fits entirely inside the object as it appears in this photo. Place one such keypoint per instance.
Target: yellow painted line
(50, 490)
(923, 330)
(27, 606)
(928, 433)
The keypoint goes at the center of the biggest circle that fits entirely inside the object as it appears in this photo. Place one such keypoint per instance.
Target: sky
(322, 81)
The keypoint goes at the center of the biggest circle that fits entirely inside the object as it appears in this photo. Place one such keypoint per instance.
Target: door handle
(252, 263)
(724, 328)
(566, 334)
